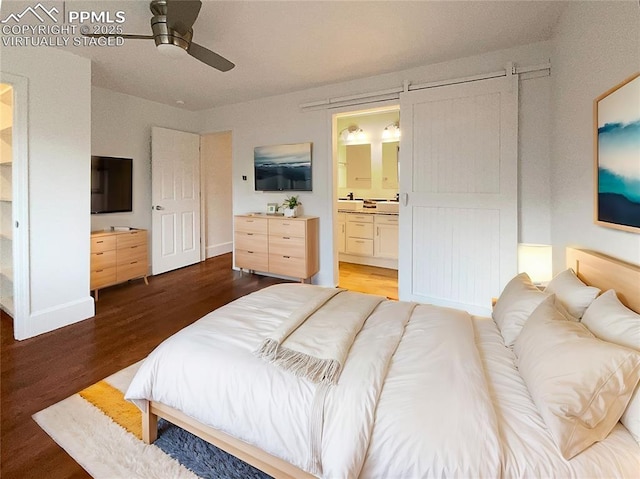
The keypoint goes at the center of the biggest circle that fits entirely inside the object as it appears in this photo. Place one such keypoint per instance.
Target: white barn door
(458, 184)
(175, 197)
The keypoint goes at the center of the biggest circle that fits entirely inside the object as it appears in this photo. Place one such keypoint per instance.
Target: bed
(424, 391)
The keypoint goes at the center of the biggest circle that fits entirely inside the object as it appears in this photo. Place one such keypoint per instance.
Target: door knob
(158, 207)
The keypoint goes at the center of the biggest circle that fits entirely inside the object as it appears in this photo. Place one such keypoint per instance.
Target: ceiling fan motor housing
(162, 33)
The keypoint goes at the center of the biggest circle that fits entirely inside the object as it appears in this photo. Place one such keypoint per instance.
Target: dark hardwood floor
(131, 319)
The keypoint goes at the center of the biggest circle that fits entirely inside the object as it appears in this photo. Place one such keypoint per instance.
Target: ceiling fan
(171, 25)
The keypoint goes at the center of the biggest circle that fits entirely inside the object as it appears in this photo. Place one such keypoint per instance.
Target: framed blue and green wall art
(616, 116)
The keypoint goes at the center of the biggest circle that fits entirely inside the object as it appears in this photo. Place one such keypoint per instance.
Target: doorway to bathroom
(366, 165)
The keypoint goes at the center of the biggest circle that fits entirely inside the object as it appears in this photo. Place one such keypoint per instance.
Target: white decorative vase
(291, 212)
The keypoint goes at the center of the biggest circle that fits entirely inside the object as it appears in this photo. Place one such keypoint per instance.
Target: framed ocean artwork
(283, 167)
(616, 115)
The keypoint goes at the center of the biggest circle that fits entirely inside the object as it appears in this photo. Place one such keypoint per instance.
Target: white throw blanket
(301, 344)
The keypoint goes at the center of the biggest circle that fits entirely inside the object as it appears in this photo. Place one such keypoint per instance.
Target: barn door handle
(405, 199)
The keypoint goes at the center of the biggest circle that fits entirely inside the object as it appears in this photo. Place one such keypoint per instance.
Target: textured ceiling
(280, 47)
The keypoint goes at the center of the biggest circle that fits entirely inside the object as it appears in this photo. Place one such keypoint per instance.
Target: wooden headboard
(605, 272)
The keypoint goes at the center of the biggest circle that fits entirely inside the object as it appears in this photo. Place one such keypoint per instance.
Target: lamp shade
(536, 261)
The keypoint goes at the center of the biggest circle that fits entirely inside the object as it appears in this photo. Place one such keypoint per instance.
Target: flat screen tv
(111, 184)
(283, 167)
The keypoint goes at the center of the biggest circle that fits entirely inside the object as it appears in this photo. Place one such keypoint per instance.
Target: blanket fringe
(316, 370)
(268, 350)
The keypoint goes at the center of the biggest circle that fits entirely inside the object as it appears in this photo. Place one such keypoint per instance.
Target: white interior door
(175, 196)
(458, 184)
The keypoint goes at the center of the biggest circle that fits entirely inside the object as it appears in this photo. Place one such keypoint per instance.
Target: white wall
(121, 126)
(216, 156)
(596, 46)
(280, 120)
(59, 171)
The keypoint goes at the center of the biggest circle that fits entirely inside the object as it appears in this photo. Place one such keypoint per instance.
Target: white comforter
(435, 396)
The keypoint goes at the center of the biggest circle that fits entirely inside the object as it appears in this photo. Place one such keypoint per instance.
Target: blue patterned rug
(202, 458)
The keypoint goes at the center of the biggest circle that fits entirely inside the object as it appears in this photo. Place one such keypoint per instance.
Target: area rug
(102, 432)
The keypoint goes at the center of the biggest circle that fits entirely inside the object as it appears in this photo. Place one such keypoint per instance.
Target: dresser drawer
(103, 277)
(251, 241)
(249, 224)
(359, 230)
(287, 245)
(287, 265)
(102, 260)
(134, 269)
(102, 243)
(252, 260)
(386, 220)
(287, 227)
(132, 238)
(133, 253)
(360, 246)
(360, 218)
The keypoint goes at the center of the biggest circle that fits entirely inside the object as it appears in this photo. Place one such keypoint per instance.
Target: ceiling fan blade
(210, 58)
(115, 35)
(181, 14)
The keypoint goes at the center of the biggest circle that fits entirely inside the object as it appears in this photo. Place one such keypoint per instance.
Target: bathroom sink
(387, 206)
(351, 205)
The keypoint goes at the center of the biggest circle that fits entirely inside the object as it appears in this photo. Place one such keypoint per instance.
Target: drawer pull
(286, 237)
(250, 252)
(100, 241)
(288, 257)
(134, 246)
(99, 270)
(249, 221)
(249, 234)
(134, 232)
(133, 262)
(98, 254)
(286, 224)
(359, 241)
(378, 231)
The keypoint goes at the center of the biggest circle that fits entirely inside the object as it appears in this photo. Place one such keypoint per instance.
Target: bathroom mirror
(390, 165)
(358, 166)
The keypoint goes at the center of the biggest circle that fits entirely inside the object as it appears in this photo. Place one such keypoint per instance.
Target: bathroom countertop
(368, 211)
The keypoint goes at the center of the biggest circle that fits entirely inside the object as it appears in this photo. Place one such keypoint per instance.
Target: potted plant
(290, 206)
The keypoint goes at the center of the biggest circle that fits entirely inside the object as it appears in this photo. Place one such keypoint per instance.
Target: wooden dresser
(118, 256)
(278, 245)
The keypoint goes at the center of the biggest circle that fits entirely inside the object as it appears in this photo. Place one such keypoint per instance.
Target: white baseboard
(56, 317)
(218, 249)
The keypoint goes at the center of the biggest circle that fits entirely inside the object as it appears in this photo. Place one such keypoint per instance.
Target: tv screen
(111, 184)
(283, 167)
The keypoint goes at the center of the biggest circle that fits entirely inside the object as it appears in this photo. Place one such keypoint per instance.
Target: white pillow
(572, 293)
(516, 302)
(612, 321)
(580, 384)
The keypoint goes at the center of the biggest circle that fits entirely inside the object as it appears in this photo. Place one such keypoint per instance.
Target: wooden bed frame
(593, 268)
(605, 272)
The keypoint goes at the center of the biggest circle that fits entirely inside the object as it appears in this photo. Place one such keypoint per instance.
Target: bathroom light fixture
(391, 131)
(351, 133)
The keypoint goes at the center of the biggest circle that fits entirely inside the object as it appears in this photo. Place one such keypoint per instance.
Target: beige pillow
(612, 321)
(572, 293)
(514, 306)
(580, 384)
